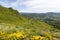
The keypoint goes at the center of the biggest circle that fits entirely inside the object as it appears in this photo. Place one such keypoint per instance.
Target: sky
(38, 6)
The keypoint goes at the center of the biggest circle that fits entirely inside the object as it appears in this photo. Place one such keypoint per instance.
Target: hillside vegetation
(50, 18)
(14, 26)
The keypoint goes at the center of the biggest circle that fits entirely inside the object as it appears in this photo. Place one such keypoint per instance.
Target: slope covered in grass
(12, 24)
(10, 16)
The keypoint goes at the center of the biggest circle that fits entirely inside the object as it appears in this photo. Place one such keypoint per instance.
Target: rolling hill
(42, 15)
(12, 23)
(50, 18)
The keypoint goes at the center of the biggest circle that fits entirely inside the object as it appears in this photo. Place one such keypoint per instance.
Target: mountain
(50, 18)
(42, 15)
(15, 26)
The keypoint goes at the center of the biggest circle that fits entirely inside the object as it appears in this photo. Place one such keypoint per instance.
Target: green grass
(11, 21)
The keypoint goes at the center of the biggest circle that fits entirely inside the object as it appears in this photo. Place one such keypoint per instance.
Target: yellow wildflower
(37, 38)
(18, 35)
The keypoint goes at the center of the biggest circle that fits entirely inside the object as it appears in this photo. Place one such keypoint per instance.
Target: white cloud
(17, 4)
(36, 5)
(43, 5)
(4, 4)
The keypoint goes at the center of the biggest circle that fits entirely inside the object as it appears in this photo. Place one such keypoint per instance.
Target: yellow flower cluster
(37, 38)
(17, 35)
(1, 33)
(4, 35)
(20, 35)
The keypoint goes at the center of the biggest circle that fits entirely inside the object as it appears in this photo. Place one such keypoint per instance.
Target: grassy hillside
(51, 18)
(13, 26)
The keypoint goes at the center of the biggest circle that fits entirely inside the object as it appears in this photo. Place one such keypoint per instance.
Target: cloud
(35, 5)
(3, 4)
(18, 5)
(43, 5)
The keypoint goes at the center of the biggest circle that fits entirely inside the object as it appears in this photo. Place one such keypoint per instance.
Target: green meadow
(14, 26)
